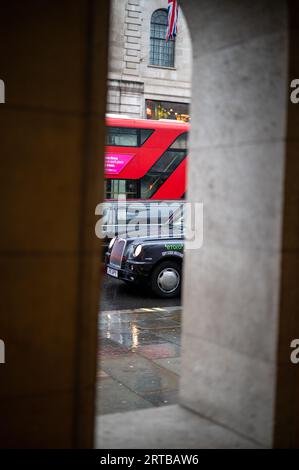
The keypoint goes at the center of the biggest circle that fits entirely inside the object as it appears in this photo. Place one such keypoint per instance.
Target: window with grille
(161, 52)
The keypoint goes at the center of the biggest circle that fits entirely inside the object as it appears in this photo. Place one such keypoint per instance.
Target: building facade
(148, 77)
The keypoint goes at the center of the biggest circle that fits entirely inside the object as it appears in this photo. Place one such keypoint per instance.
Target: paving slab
(158, 351)
(173, 335)
(156, 323)
(133, 339)
(138, 364)
(171, 363)
(169, 427)
(109, 348)
(162, 397)
(117, 397)
(139, 374)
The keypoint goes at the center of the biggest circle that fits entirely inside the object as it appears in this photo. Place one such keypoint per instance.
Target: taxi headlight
(112, 243)
(137, 251)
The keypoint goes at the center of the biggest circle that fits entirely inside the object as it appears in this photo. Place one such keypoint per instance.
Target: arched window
(161, 52)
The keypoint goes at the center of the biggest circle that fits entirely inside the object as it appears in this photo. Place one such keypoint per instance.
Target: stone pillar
(132, 38)
(125, 97)
(125, 88)
(53, 57)
(241, 291)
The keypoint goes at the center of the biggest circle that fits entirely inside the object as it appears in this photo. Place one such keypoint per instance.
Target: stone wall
(240, 300)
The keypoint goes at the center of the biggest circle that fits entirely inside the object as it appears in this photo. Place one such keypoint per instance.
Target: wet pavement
(139, 358)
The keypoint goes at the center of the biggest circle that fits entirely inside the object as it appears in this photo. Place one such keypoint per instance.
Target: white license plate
(112, 272)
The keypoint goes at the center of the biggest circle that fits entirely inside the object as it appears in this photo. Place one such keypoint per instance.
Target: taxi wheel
(166, 279)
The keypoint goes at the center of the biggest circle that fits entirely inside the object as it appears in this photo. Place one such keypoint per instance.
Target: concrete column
(240, 293)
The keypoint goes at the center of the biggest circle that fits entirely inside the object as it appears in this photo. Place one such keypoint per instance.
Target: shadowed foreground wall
(53, 60)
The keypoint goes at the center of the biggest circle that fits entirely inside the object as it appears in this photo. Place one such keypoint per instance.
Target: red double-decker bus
(145, 159)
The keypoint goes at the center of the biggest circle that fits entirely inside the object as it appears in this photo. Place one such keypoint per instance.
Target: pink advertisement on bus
(116, 162)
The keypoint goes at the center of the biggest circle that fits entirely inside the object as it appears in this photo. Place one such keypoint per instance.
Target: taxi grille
(117, 252)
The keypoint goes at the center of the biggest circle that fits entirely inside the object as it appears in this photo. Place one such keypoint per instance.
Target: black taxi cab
(155, 262)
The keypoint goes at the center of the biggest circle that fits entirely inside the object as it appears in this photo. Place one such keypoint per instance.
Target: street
(116, 295)
(139, 349)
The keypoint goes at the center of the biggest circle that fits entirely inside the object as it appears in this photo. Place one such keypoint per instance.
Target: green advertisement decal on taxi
(174, 247)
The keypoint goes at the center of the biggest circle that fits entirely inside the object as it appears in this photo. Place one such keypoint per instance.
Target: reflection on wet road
(117, 295)
(139, 358)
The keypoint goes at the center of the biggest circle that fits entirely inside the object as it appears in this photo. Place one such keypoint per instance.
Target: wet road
(139, 357)
(117, 295)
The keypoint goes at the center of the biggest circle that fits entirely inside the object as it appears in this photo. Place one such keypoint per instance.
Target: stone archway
(241, 292)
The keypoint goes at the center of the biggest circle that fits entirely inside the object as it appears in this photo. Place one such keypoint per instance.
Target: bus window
(127, 136)
(122, 137)
(164, 167)
(144, 135)
(181, 143)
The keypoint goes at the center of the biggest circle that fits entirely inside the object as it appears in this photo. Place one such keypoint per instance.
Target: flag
(173, 13)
